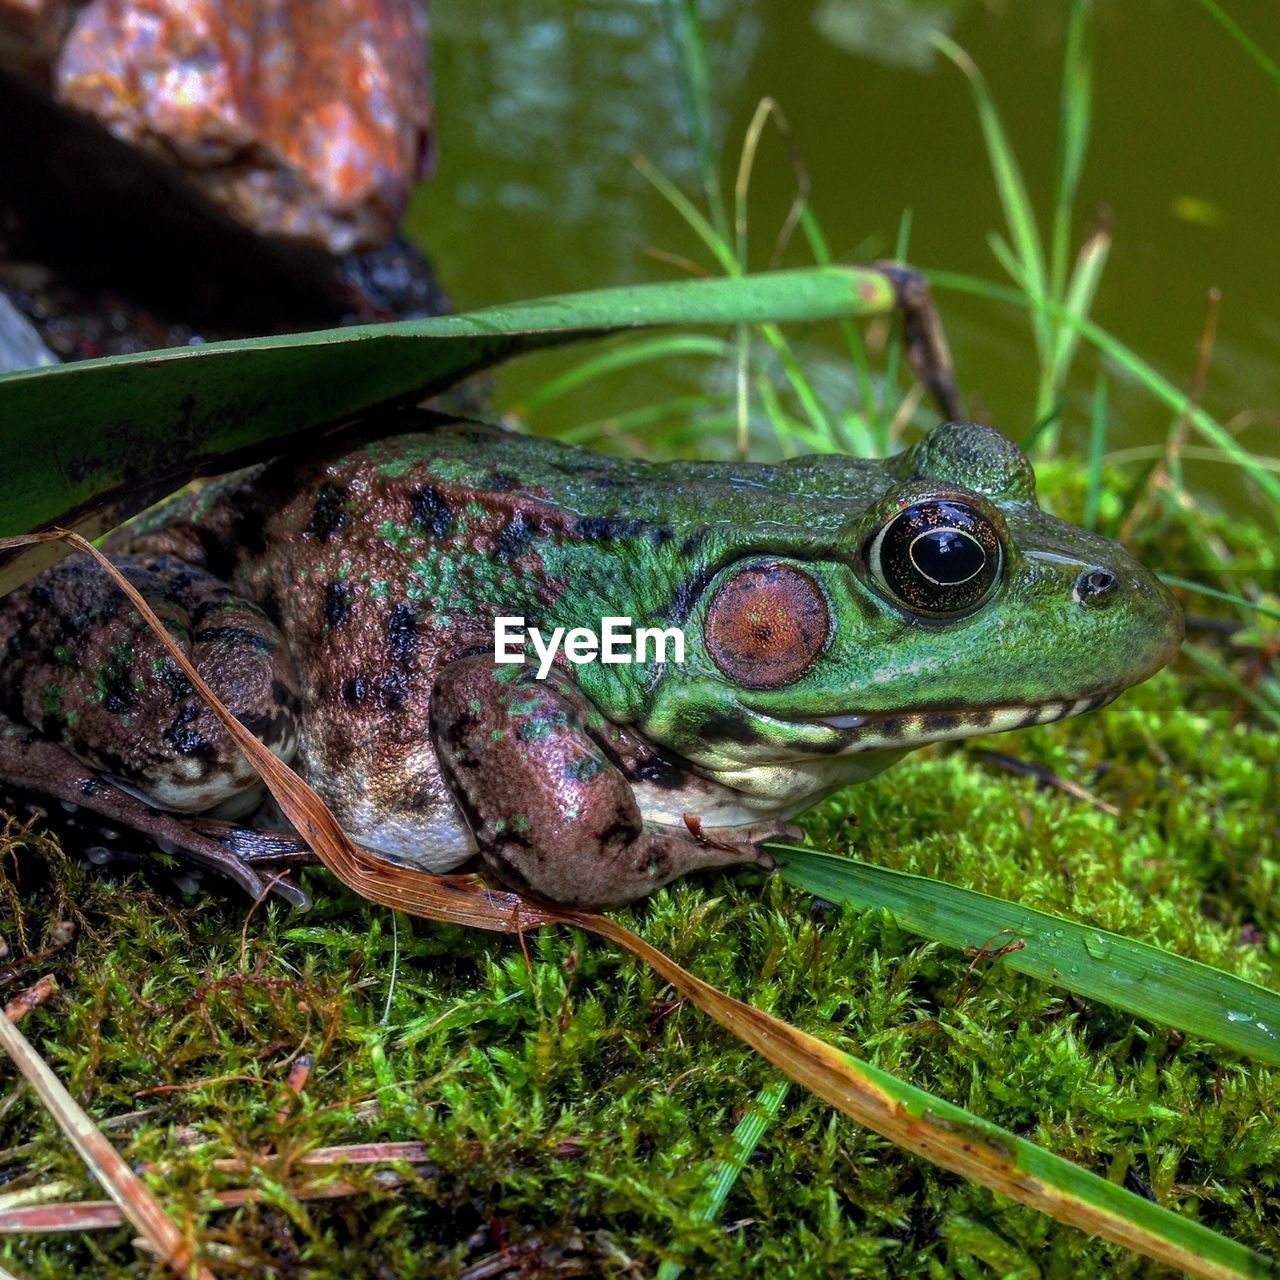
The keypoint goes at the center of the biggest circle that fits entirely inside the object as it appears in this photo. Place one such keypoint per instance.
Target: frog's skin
(342, 604)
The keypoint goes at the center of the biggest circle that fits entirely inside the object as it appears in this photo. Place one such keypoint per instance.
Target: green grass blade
(1140, 979)
(719, 244)
(1077, 304)
(1043, 426)
(1073, 138)
(1097, 446)
(671, 347)
(1242, 38)
(893, 351)
(1010, 186)
(683, 26)
(817, 240)
(1174, 581)
(676, 411)
(746, 1137)
(100, 439)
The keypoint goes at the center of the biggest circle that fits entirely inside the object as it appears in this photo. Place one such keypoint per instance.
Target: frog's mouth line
(874, 729)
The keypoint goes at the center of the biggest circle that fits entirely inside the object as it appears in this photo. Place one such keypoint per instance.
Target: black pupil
(947, 556)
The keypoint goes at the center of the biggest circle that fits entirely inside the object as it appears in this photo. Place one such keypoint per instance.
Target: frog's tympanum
(836, 613)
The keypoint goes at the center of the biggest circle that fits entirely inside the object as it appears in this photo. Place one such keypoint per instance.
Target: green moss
(573, 1111)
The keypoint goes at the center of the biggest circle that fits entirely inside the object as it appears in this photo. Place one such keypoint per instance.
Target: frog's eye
(766, 624)
(941, 557)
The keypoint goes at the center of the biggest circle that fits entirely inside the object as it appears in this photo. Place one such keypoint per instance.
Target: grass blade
(717, 243)
(746, 1137)
(671, 347)
(1097, 446)
(957, 1139)
(1260, 702)
(1073, 137)
(1239, 601)
(1242, 38)
(683, 27)
(1140, 979)
(1078, 303)
(1010, 186)
(130, 1194)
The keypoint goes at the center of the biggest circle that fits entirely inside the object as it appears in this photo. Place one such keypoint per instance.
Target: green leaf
(1140, 979)
(100, 439)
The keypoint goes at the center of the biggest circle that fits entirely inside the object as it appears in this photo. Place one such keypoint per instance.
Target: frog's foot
(551, 814)
(29, 762)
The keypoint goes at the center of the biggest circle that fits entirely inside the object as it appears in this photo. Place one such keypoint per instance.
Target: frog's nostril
(1095, 586)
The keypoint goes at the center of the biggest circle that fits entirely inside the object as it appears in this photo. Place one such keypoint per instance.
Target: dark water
(543, 104)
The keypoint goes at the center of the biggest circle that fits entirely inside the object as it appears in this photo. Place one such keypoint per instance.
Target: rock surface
(306, 120)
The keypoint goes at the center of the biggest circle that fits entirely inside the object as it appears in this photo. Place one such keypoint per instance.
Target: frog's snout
(1151, 615)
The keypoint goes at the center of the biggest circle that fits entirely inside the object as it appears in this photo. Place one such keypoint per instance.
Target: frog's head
(941, 603)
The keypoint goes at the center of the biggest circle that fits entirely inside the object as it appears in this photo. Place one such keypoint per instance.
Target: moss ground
(572, 1111)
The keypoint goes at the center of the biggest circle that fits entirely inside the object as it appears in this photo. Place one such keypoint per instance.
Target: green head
(841, 613)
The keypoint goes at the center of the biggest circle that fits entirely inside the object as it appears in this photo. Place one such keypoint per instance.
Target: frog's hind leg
(85, 672)
(32, 764)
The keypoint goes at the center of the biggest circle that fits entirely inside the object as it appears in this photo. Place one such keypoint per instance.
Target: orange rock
(305, 119)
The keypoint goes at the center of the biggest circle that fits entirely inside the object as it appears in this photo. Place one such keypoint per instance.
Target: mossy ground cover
(572, 1111)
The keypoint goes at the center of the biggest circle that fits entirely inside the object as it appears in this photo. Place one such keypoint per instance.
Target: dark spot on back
(174, 679)
(606, 528)
(941, 722)
(431, 512)
(659, 773)
(118, 694)
(355, 690)
(514, 538)
(337, 604)
(503, 481)
(402, 632)
(327, 516)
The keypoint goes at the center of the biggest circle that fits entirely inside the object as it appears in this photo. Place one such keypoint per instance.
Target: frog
(834, 614)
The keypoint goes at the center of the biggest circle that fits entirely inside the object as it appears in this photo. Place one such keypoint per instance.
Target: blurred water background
(542, 105)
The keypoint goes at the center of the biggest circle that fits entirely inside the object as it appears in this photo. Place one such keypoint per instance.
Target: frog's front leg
(551, 814)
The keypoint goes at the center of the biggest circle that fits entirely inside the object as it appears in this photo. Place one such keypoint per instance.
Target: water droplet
(1235, 1015)
(1058, 933)
(1097, 945)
